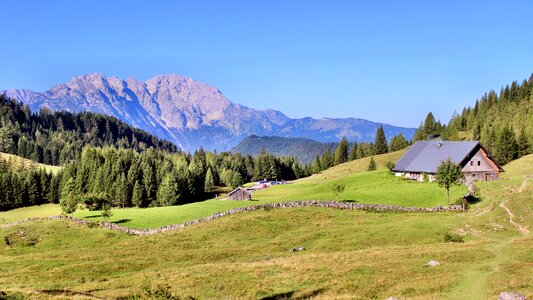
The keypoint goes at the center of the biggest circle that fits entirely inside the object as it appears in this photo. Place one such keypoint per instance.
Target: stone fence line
(267, 206)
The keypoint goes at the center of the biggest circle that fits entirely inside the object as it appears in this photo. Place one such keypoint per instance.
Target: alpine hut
(423, 158)
(239, 194)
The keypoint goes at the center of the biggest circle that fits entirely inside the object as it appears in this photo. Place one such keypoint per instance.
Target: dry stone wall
(268, 206)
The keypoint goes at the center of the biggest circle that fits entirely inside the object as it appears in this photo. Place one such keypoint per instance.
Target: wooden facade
(481, 167)
(239, 194)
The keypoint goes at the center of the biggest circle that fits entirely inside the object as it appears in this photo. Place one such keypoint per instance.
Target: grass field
(20, 162)
(349, 254)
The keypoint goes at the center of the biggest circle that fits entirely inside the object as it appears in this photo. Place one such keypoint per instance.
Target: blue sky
(386, 61)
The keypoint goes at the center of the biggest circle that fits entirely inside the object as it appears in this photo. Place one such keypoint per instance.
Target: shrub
(450, 237)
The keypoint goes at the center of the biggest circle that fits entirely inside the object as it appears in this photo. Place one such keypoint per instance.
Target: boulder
(511, 296)
(433, 263)
(295, 249)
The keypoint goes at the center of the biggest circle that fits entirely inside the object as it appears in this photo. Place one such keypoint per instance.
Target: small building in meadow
(423, 158)
(239, 194)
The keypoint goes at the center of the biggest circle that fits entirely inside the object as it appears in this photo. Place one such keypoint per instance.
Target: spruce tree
(523, 144)
(341, 153)
(327, 160)
(372, 164)
(138, 198)
(316, 165)
(380, 145)
(353, 153)
(398, 143)
(168, 191)
(209, 181)
(34, 190)
(506, 146)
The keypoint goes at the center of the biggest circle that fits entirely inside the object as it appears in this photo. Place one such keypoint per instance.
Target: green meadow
(349, 254)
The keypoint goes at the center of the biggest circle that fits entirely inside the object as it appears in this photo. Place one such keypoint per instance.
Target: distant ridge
(191, 113)
(304, 149)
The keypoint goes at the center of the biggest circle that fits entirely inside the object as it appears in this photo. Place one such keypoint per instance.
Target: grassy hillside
(24, 163)
(349, 254)
(363, 187)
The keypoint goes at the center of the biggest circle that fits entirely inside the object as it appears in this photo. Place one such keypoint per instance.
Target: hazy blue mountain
(304, 149)
(191, 113)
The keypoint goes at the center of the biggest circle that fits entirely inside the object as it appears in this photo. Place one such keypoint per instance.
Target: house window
(471, 162)
(479, 162)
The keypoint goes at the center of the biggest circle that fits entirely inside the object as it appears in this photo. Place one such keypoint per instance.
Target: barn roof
(237, 189)
(426, 156)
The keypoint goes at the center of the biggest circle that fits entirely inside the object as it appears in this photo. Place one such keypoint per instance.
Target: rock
(433, 263)
(298, 249)
(392, 298)
(511, 296)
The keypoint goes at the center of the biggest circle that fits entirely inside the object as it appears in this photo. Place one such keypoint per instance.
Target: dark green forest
(503, 122)
(125, 178)
(59, 137)
(107, 160)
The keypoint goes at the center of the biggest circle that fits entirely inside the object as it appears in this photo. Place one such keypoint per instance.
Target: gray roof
(426, 156)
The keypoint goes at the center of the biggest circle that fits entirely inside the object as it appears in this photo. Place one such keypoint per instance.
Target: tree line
(346, 152)
(59, 137)
(502, 122)
(127, 178)
(24, 187)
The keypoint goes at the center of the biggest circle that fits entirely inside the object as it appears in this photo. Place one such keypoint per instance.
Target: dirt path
(473, 284)
(520, 228)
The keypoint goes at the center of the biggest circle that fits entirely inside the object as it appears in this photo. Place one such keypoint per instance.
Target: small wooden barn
(239, 194)
(423, 158)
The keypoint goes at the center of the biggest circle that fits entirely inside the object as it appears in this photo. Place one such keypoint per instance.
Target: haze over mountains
(191, 113)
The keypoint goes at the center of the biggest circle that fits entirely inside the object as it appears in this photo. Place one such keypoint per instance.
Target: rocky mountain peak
(189, 112)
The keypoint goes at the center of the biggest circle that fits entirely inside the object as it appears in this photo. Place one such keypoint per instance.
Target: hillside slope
(191, 113)
(349, 254)
(24, 163)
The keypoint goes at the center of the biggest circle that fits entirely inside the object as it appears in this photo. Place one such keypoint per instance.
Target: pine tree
(398, 143)
(316, 165)
(209, 181)
(353, 153)
(341, 153)
(380, 145)
(327, 160)
(168, 191)
(506, 146)
(138, 198)
(523, 144)
(34, 191)
(372, 164)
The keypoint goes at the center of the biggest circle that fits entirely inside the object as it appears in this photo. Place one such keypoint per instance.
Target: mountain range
(191, 113)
